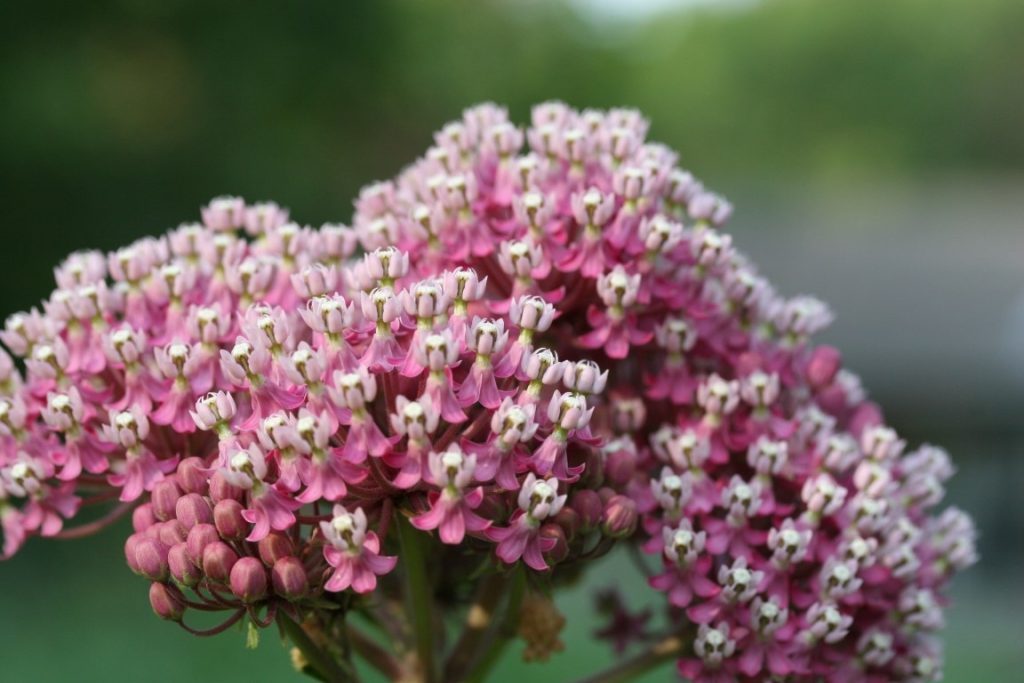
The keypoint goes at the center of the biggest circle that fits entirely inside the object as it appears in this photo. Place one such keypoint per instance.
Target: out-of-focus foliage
(121, 115)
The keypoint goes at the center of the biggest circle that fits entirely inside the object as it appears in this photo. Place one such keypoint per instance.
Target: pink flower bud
(172, 531)
(166, 601)
(164, 497)
(569, 520)
(289, 578)
(560, 550)
(222, 489)
(249, 579)
(143, 517)
(151, 558)
(182, 568)
(227, 516)
(130, 545)
(200, 536)
(619, 518)
(823, 366)
(193, 509)
(192, 477)
(619, 466)
(218, 559)
(588, 505)
(275, 546)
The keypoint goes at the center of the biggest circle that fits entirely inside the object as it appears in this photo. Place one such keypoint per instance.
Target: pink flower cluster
(525, 354)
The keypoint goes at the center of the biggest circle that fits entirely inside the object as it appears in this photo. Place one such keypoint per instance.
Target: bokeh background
(874, 149)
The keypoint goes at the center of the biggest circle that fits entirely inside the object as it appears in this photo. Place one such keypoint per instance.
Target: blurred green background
(874, 149)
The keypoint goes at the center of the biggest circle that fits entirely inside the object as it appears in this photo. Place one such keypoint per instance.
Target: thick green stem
(326, 667)
(419, 595)
(501, 632)
(627, 670)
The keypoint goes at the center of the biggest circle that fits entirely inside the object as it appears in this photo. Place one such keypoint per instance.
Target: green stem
(326, 668)
(374, 654)
(503, 631)
(419, 595)
(479, 618)
(629, 669)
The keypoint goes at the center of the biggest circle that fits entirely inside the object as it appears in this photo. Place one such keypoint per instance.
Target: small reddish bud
(151, 559)
(192, 476)
(193, 509)
(249, 579)
(221, 489)
(619, 518)
(129, 551)
(823, 365)
(166, 601)
(569, 520)
(142, 517)
(619, 467)
(227, 516)
(200, 536)
(289, 578)
(182, 568)
(172, 532)
(218, 559)
(560, 550)
(589, 506)
(273, 547)
(164, 497)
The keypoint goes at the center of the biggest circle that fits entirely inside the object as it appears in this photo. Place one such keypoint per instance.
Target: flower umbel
(523, 356)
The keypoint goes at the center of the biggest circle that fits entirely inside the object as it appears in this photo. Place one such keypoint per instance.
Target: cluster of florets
(526, 355)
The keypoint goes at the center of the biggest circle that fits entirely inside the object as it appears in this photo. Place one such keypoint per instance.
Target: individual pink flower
(353, 552)
(451, 508)
(141, 469)
(268, 506)
(538, 500)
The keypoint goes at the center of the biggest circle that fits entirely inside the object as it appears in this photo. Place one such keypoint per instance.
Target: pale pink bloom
(353, 552)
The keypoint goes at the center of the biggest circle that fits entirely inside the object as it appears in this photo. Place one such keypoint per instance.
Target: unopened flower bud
(192, 509)
(151, 559)
(569, 520)
(166, 601)
(164, 498)
(249, 579)
(218, 559)
(560, 550)
(588, 505)
(619, 466)
(171, 532)
(143, 517)
(200, 536)
(181, 566)
(619, 517)
(823, 365)
(222, 489)
(275, 546)
(289, 578)
(130, 544)
(191, 476)
(227, 516)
